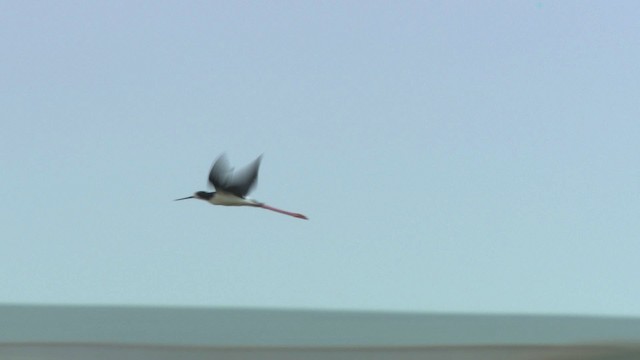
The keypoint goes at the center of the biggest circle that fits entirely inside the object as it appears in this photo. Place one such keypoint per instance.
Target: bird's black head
(203, 195)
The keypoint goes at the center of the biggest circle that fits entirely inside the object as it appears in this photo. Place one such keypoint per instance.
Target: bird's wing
(220, 173)
(239, 184)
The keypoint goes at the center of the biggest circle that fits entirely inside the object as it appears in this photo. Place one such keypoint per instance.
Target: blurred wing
(242, 182)
(220, 173)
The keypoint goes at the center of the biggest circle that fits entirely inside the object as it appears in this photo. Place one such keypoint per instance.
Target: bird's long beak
(185, 198)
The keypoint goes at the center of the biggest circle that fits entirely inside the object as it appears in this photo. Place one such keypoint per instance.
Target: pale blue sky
(452, 156)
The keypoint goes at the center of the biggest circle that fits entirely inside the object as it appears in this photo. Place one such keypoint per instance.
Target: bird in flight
(232, 188)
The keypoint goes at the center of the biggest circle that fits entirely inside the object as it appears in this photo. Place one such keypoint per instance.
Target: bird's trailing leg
(299, 216)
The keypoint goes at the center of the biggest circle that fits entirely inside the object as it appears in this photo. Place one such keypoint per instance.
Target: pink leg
(299, 216)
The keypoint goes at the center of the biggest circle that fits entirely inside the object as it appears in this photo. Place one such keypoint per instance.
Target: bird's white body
(226, 199)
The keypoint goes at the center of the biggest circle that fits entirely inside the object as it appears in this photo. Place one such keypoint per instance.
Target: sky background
(452, 156)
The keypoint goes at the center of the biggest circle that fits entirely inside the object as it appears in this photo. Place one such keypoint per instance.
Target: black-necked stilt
(232, 189)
